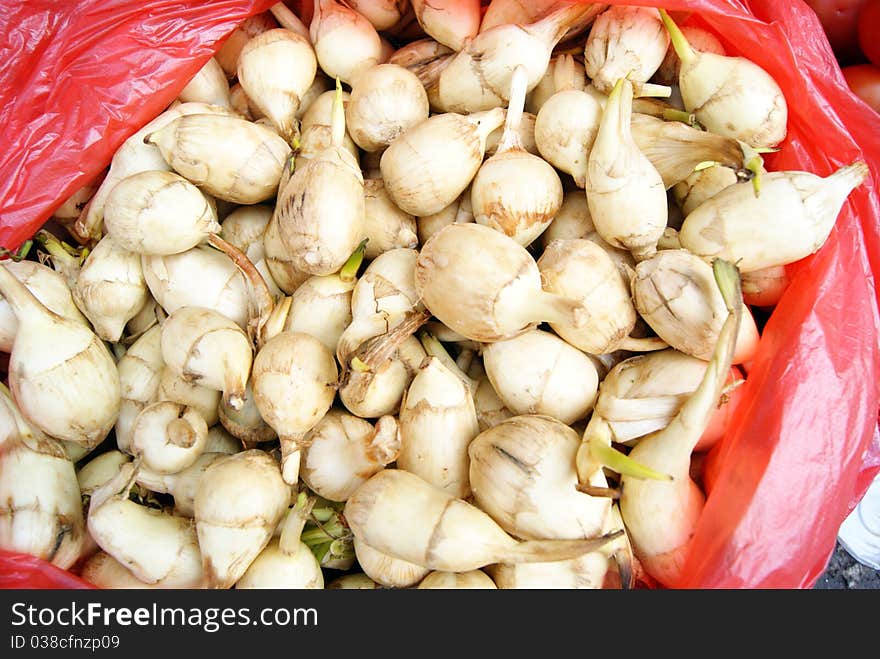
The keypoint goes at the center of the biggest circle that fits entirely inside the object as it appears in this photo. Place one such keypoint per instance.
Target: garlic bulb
(320, 212)
(342, 451)
(110, 288)
(476, 580)
(443, 533)
(581, 270)
(168, 437)
(479, 76)
(451, 22)
(157, 548)
(346, 43)
(625, 193)
(206, 348)
(730, 96)
(539, 373)
(567, 124)
(198, 277)
(292, 366)
(274, 568)
(523, 475)
(48, 287)
(40, 505)
(625, 42)
(790, 220)
(430, 165)
(239, 501)
(387, 570)
(177, 388)
(493, 292)
(209, 85)
(227, 157)
(437, 423)
(181, 485)
(139, 372)
(675, 292)
(514, 191)
(62, 376)
(385, 225)
(276, 69)
(386, 101)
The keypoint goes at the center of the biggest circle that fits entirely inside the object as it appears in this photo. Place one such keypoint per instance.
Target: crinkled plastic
(80, 77)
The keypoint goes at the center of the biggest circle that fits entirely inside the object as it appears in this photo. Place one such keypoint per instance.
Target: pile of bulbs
(462, 325)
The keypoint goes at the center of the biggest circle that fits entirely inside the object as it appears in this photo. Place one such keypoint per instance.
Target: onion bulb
(437, 423)
(342, 451)
(139, 370)
(386, 101)
(168, 437)
(730, 96)
(479, 76)
(429, 166)
(442, 533)
(159, 549)
(230, 158)
(209, 85)
(514, 191)
(483, 285)
(791, 219)
(276, 69)
(274, 568)
(48, 286)
(474, 580)
(320, 212)
(625, 192)
(625, 42)
(523, 475)
(387, 570)
(539, 373)
(206, 348)
(345, 42)
(660, 515)
(675, 292)
(294, 383)
(40, 506)
(62, 376)
(451, 22)
(238, 503)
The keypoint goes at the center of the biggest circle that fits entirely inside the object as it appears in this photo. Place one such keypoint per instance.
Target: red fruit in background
(869, 30)
(864, 80)
(840, 18)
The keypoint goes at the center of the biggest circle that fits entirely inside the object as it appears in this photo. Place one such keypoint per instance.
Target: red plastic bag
(78, 81)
